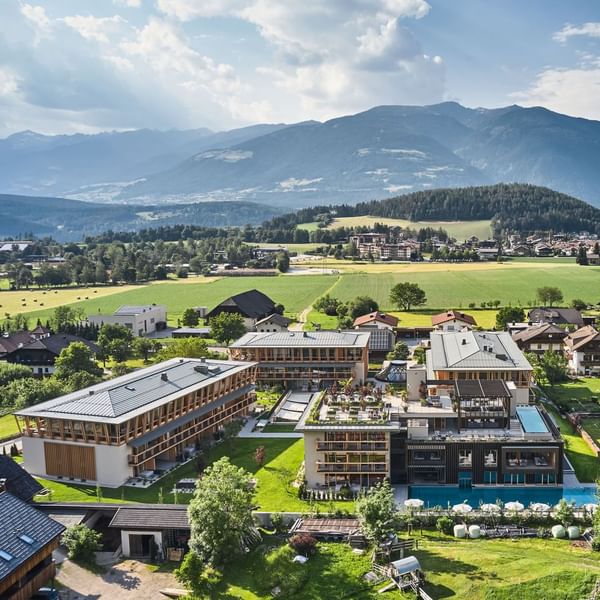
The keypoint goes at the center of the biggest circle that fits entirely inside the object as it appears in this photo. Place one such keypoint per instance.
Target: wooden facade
(69, 460)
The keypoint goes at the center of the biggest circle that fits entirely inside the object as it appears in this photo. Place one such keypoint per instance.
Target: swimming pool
(441, 495)
(531, 420)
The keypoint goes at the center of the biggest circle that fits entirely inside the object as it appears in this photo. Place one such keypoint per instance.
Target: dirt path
(303, 316)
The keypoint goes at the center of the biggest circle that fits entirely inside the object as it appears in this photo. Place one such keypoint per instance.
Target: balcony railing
(351, 467)
(352, 446)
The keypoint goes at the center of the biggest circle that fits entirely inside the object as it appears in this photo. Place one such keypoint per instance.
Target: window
(6, 556)
(491, 458)
(25, 538)
(465, 458)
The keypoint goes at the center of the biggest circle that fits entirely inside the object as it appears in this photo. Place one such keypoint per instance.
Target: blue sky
(90, 65)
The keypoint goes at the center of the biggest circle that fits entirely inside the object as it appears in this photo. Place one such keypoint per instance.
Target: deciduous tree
(405, 295)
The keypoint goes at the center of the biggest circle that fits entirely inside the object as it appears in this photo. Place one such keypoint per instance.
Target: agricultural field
(461, 230)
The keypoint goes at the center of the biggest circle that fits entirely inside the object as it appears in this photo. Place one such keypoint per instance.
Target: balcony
(352, 446)
(323, 467)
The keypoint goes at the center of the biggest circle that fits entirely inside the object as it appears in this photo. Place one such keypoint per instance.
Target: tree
(76, 358)
(400, 352)
(405, 295)
(376, 510)
(509, 314)
(361, 305)
(220, 513)
(81, 542)
(565, 512)
(578, 304)
(191, 347)
(115, 341)
(419, 355)
(226, 327)
(554, 365)
(196, 577)
(143, 347)
(283, 262)
(259, 456)
(190, 318)
(62, 317)
(10, 372)
(582, 257)
(327, 304)
(548, 295)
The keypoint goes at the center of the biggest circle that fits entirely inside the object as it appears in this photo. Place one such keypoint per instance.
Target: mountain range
(385, 151)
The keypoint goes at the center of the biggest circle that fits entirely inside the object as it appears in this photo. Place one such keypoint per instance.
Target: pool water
(531, 420)
(441, 495)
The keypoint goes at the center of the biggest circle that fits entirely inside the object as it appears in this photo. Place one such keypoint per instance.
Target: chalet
(16, 480)
(143, 320)
(252, 305)
(136, 426)
(453, 320)
(376, 320)
(273, 323)
(557, 316)
(582, 348)
(305, 359)
(12, 341)
(540, 338)
(27, 539)
(40, 354)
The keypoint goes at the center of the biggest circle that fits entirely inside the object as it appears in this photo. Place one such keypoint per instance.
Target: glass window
(465, 458)
(491, 458)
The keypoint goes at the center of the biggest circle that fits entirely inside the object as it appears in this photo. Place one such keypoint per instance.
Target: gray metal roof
(24, 530)
(136, 309)
(304, 339)
(475, 350)
(120, 399)
(160, 516)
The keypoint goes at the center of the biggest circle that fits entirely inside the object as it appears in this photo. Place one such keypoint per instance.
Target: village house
(377, 320)
(582, 348)
(453, 320)
(252, 305)
(143, 320)
(273, 323)
(135, 427)
(16, 480)
(27, 539)
(556, 316)
(305, 359)
(538, 339)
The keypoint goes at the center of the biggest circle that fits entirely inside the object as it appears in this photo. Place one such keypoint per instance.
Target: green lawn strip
(577, 395)
(274, 490)
(8, 427)
(581, 456)
(279, 428)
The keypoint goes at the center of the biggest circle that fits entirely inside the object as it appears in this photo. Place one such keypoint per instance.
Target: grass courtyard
(580, 395)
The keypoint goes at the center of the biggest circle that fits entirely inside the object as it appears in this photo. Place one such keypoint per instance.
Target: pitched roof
(251, 304)
(475, 350)
(147, 517)
(56, 343)
(24, 530)
(560, 316)
(276, 319)
(10, 342)
(453, 315)
(17, 480)
(581, 337)
(376, 316)
(381, 340)
(543, 330)
(304, 339)
(122, 398)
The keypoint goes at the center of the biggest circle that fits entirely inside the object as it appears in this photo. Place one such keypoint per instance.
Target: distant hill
(65, 219)
(389, 150)
(512, 207)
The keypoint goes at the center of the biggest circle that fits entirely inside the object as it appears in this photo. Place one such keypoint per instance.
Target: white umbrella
(540, 507)
(514, 506)
(413, 503)
(462, 508)
(490, 508)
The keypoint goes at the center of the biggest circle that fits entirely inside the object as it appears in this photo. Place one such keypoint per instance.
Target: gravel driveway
(126, 580)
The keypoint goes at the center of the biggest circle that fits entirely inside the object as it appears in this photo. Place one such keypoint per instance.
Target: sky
(70, 66)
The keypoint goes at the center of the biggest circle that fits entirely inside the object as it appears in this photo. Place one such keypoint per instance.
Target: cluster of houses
(558, 244)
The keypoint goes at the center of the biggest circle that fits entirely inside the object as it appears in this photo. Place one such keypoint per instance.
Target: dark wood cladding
(66, 460)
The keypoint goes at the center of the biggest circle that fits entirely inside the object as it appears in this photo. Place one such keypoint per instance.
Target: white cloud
(36, 15)
(570, 91)
(128, 3)
(590, 29)
(94, 28)
(8, 83)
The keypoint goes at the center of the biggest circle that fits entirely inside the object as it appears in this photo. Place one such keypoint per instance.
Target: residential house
(557, 316)
(376, 320)
(479, 355)
(40, 354)
(135, 426)
(453, 320)
(273, 323)
(252, 305)
(582, 348)
(381, 341)
(16, 480)
(12, 341)
(27, 539)
(143, 320)
(538, 339)
(305, 359)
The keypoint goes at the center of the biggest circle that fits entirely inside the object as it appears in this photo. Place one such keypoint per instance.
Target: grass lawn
(8, 427)
(592, 426)
(581, 456)
(577, 394)
(267, 398)
(274, 491)
(279, 428)
(294, 292)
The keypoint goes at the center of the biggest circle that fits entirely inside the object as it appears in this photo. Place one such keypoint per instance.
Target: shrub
(283, 573)
(197, 577)
(444, 525)
(303, 543)
(277, 521)
(81, 542)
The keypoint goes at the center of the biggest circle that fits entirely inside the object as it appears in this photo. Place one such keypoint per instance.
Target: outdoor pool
(445, 495)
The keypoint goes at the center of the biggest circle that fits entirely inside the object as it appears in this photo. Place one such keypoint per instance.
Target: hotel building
(135, 425)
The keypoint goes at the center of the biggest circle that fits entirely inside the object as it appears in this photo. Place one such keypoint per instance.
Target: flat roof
(304, 339)
(136, 309)
(120, 399)
(469, 350)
